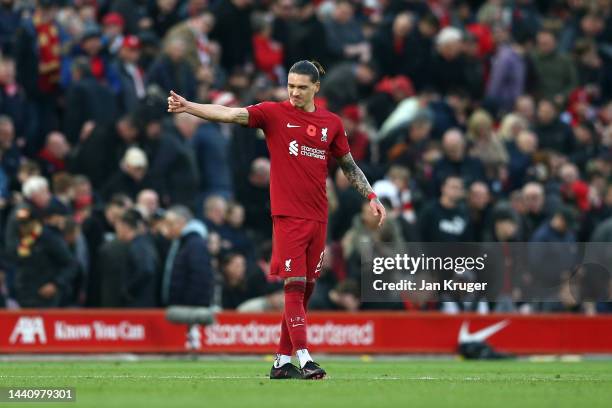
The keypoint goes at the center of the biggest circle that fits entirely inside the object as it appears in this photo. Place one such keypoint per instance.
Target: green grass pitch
(351, 383)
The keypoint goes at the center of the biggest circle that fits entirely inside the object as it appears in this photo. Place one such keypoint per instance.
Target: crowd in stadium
(474, 120)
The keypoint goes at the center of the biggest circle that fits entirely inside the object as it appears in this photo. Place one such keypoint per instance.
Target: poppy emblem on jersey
(311, 130)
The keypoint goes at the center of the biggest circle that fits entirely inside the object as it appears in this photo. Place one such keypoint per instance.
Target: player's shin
(295, 318)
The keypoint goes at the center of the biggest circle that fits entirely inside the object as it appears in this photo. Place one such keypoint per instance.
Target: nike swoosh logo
(296, 325)
(292, 126)
(481, 335)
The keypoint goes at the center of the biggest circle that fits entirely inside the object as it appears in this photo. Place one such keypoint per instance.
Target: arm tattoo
(242, 117)
(354, 174)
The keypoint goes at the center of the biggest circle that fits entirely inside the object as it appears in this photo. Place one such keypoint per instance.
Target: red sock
(295, 315)
(284, 345)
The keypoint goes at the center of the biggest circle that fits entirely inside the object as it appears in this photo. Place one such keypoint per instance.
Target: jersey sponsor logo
(28, 330)
(289, 125)
(324, 135)
(312, 152)
(288, 265)
(293, 148)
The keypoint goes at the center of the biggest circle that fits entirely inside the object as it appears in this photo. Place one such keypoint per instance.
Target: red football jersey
(300, 144)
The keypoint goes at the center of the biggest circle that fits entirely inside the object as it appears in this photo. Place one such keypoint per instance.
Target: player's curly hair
(311, 68)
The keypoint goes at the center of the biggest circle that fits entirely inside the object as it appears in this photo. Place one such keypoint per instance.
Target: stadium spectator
(509, 69)
(211, 149)
(37, 198)
(172, 70)
(347, 83)
(232, 30)
(137, 285)
(552, 132)
(9, 22)
(449, 67)
(487, 146)
(256, 198)
(456, 162)
(446, 219)
(555, 71)
(52, 158)
(520, 166)
(101, 148)
(480, 210)
(39, 63)
(131, 177)
(130, 74)
(113, 26)
(553, 263)
(214, 210)
(13, 100)
(236, 288)
(44, 265)
(344, 34)
(147, 203)
(11, 154)
(187, 277)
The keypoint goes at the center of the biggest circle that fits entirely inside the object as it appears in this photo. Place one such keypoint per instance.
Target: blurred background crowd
(475, 120)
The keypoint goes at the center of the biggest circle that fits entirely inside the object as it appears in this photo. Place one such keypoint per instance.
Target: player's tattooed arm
(358, 180)
(354, 174)
(240, 116)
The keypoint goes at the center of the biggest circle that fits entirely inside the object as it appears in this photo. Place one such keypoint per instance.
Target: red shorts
(297, 247)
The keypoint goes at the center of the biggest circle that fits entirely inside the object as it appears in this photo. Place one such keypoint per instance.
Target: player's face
(301, 90)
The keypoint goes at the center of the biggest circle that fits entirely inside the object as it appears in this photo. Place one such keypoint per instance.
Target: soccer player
(300, 138)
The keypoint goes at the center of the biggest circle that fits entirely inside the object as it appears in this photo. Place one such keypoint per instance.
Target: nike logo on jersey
(289, 125)
(296, 325)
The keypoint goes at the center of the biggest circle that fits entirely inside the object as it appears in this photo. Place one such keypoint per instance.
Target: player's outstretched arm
(213, 113)
(358, 180)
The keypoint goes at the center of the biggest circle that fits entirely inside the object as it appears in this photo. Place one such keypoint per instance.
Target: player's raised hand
(176, 103)
(378, 210)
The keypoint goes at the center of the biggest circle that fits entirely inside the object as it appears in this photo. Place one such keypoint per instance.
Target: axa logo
(293, 148)
(481, 335)
(324, 135)
(288, 265)
(29, 330)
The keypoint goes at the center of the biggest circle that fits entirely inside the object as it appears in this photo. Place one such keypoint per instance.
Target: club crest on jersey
(324, 135)
(288, 265)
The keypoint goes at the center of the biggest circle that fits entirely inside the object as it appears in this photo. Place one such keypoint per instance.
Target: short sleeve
(339, 146)
(259, 114)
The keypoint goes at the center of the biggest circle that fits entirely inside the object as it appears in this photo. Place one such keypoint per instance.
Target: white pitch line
(199, 377)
